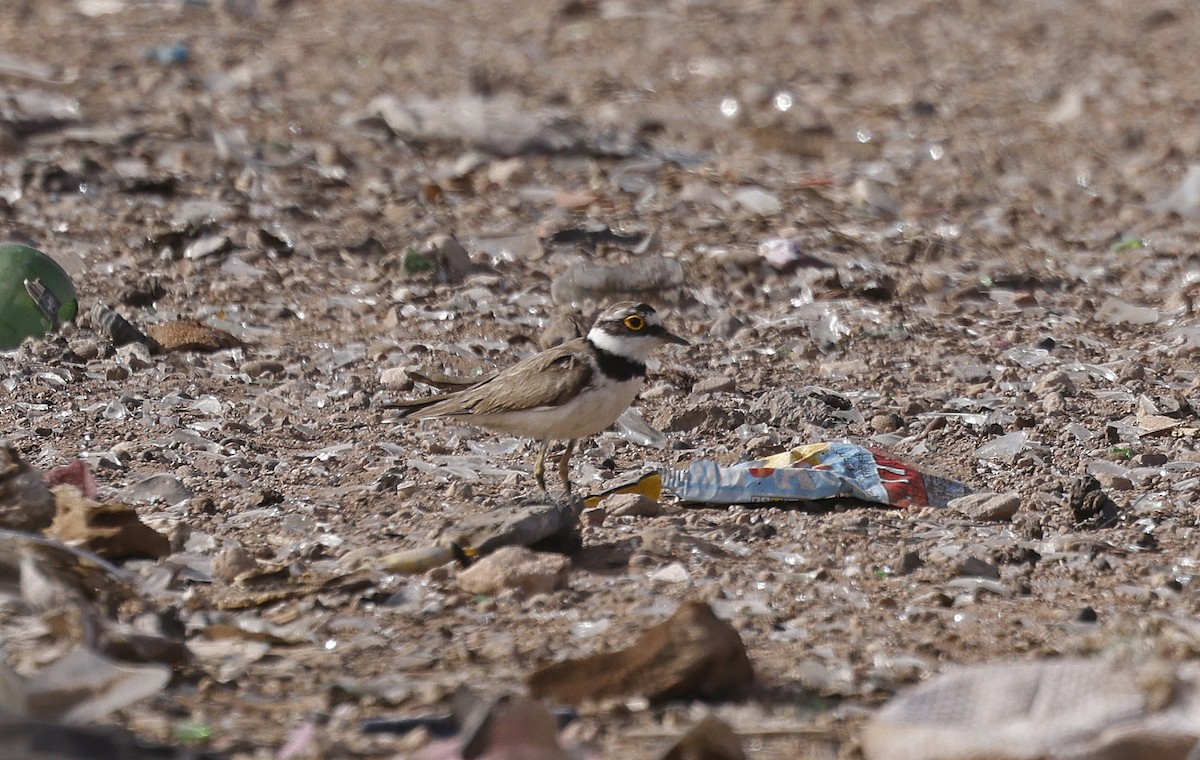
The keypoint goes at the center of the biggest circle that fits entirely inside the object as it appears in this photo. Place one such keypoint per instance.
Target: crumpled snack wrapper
(816, 471)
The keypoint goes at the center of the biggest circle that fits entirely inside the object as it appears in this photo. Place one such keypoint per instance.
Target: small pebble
(396, 379)
(260, 367)
(714, 384)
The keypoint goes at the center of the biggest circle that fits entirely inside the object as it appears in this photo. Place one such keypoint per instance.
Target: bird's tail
(410, 406)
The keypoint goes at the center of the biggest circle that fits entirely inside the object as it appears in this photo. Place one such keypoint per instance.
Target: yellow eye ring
(635, 322)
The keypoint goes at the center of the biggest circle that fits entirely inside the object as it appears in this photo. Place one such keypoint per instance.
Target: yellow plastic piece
(649, 485)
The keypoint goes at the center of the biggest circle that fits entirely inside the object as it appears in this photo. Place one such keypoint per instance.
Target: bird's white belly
(585, 415)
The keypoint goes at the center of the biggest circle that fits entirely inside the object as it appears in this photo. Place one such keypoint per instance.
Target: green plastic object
(26, 271)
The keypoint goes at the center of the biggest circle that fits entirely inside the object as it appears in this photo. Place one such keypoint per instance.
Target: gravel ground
(992, 218)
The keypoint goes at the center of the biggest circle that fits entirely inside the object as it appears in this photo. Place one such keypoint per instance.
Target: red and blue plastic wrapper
(815, 472)
(827, 470)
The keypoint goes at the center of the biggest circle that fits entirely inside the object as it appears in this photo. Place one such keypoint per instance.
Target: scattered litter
(36, 295)
(813, 472)
(648, 485)
(1006, 446)
(172, 54)
(78, 474)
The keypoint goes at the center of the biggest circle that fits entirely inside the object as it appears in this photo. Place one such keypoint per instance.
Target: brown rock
(631, 505)
(231, 561)
(25, 502)
(685, 418)
(886, 422)
(1053, 402)
(1090, 506)
(189, 335)
(515, 567)
(18, 734)
(1057, 381)
(1113, 482)
(455, 262)
(262, 367)
(995, 507)
(691, 655)
(978, 568)
(396, 379)
(710, 739)
(112, 531)
(714, 384)
(135, 356)
(512, 728)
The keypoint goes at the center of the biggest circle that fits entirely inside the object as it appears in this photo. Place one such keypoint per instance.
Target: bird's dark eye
(635, 322)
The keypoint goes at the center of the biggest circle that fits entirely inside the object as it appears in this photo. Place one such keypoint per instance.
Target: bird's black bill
(668, 336)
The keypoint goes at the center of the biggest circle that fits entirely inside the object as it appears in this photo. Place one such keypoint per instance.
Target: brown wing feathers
(545, 379)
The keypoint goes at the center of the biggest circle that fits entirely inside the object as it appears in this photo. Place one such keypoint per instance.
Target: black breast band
(617, 367)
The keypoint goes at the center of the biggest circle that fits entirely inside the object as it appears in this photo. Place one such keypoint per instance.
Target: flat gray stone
(1065, 709)
(160, 487)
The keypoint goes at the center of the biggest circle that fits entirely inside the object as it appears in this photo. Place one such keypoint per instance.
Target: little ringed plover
(567, 392)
